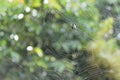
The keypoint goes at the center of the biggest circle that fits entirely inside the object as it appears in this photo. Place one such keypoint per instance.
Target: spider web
(85, 70)
(91, 72)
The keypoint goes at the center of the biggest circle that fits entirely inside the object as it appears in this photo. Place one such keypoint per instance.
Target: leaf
(42, 64)
(38, 51)
(15, 57)
(36, 3)
(54, 4)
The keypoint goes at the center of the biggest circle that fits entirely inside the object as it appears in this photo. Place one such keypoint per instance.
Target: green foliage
(37, 41)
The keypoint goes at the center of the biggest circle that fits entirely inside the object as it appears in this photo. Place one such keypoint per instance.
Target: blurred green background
(37, 41)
